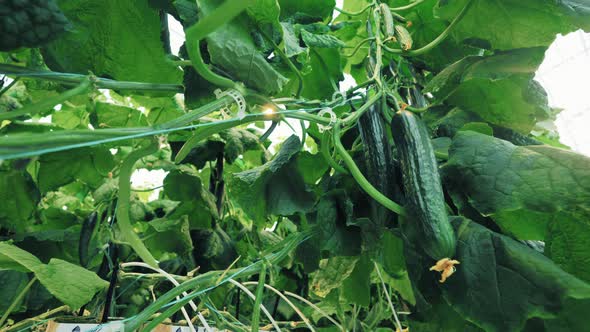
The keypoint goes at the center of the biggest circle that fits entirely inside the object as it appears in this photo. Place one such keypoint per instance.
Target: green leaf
(291, 40)
(499, 88)
(357, 287)
(480, 127)
(71, 117)
(320, 40)
(333, 271)
(310, 8)
(334, 214)
(165, 236)
(89, 165)
(534, 192)
(108, 41)
(311, 166)
(321, 74)
(232, 47)
(19, 197)
(276, 187)
(506, 24)
(264, 11)
(109, 115)
(501, 283)
(354, 33)
(184, 184)
(11, 284)
(71, 284)
(426, 27)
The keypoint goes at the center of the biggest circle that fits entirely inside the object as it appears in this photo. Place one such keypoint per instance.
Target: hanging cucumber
(387, 25)
(428, 223)
(381, 171)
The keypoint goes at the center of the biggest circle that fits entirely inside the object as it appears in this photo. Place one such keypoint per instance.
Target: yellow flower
(446, 266)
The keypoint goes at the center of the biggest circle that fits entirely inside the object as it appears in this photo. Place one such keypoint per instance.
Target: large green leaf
(311, 8)
(499, 88)
(508, 24)
(233, 48)
(333, 271)
(71, 284)
(535, 192)
(424, 28)
(183, 184)
(89, 165)
(19, 197)
(117, 39)
(501, 283)
(276, 187)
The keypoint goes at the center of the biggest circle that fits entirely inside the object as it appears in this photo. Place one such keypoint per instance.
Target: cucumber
(388, 26)
(427, 224)
(380, 166)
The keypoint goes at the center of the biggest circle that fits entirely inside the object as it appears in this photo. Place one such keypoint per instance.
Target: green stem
(35, 319)
(16, 301)
(283, 249)
(360, 178)
(123, 203)
(288, 61)
(308, 117)
(194, 51)
(259, 295)
(358, 46)
(325, 150)
(217, 18)
(441, 155)
(353, 13)
(29, 145)
(408, 6)
(48, 103)
(437, 40)
(72, 79)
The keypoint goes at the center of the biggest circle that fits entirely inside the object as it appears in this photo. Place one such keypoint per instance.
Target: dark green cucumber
(427, 222)
(380, 166)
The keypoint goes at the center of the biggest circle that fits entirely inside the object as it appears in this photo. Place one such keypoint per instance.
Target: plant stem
(288, 61)
(408, 6)
(194, 51)
(360, 178)
(437, 40)
(352, 119)
(441, 155)
(284, 248)
(36, 318)
(325, 143)
(353, 13)
(16, 301)
(72, 79)
(259, 296)
(358, 46)
(48, 103)
(123, 203)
